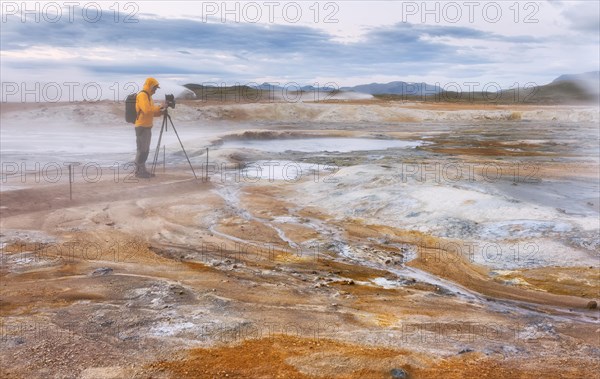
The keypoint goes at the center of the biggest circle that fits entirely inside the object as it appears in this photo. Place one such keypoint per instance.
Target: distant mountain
(268, 87)
(292, 87)
(566, 89)
(260, 87)
(592, 77)
(322, 89)
(218, 93)
(395, 88)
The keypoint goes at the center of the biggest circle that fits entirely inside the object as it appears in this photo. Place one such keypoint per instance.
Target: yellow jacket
(144, 106)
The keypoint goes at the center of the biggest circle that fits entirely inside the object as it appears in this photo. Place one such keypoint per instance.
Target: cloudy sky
(341, 42)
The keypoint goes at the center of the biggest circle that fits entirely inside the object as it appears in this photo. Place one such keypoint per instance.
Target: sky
(67, 47)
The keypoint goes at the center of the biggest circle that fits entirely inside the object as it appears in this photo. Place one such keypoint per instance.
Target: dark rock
(458, 228)
(102, 271)
(592, 305)
(467, 350)
(444, 291)
(399, 373)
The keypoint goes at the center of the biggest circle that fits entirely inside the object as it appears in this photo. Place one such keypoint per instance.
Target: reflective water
(330, 144)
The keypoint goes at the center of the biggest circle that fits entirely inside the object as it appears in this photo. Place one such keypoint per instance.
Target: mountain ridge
(566, 88)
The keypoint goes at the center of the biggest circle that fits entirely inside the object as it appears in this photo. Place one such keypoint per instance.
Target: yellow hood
(150, 82)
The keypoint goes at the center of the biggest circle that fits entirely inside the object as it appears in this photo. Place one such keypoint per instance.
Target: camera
(170, 100)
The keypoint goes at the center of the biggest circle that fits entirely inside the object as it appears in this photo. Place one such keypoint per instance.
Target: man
(146, 111)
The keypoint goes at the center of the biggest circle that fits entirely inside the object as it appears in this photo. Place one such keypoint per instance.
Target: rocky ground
(471, 250)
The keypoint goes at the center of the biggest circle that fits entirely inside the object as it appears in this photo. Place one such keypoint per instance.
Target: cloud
(244, 39)
(584, 17)
(177, 47)
(157, 33)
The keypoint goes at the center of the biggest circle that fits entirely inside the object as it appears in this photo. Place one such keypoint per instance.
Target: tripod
(162, 129)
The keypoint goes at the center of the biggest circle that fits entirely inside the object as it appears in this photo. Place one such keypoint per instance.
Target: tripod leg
(162, 128)
(182, 148)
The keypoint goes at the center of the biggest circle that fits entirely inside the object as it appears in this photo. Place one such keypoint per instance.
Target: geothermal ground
(358, 239)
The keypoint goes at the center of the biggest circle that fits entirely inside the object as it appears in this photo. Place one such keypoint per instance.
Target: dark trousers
(143, 136)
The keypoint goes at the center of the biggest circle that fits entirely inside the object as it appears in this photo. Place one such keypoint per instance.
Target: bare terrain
(336, 239)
